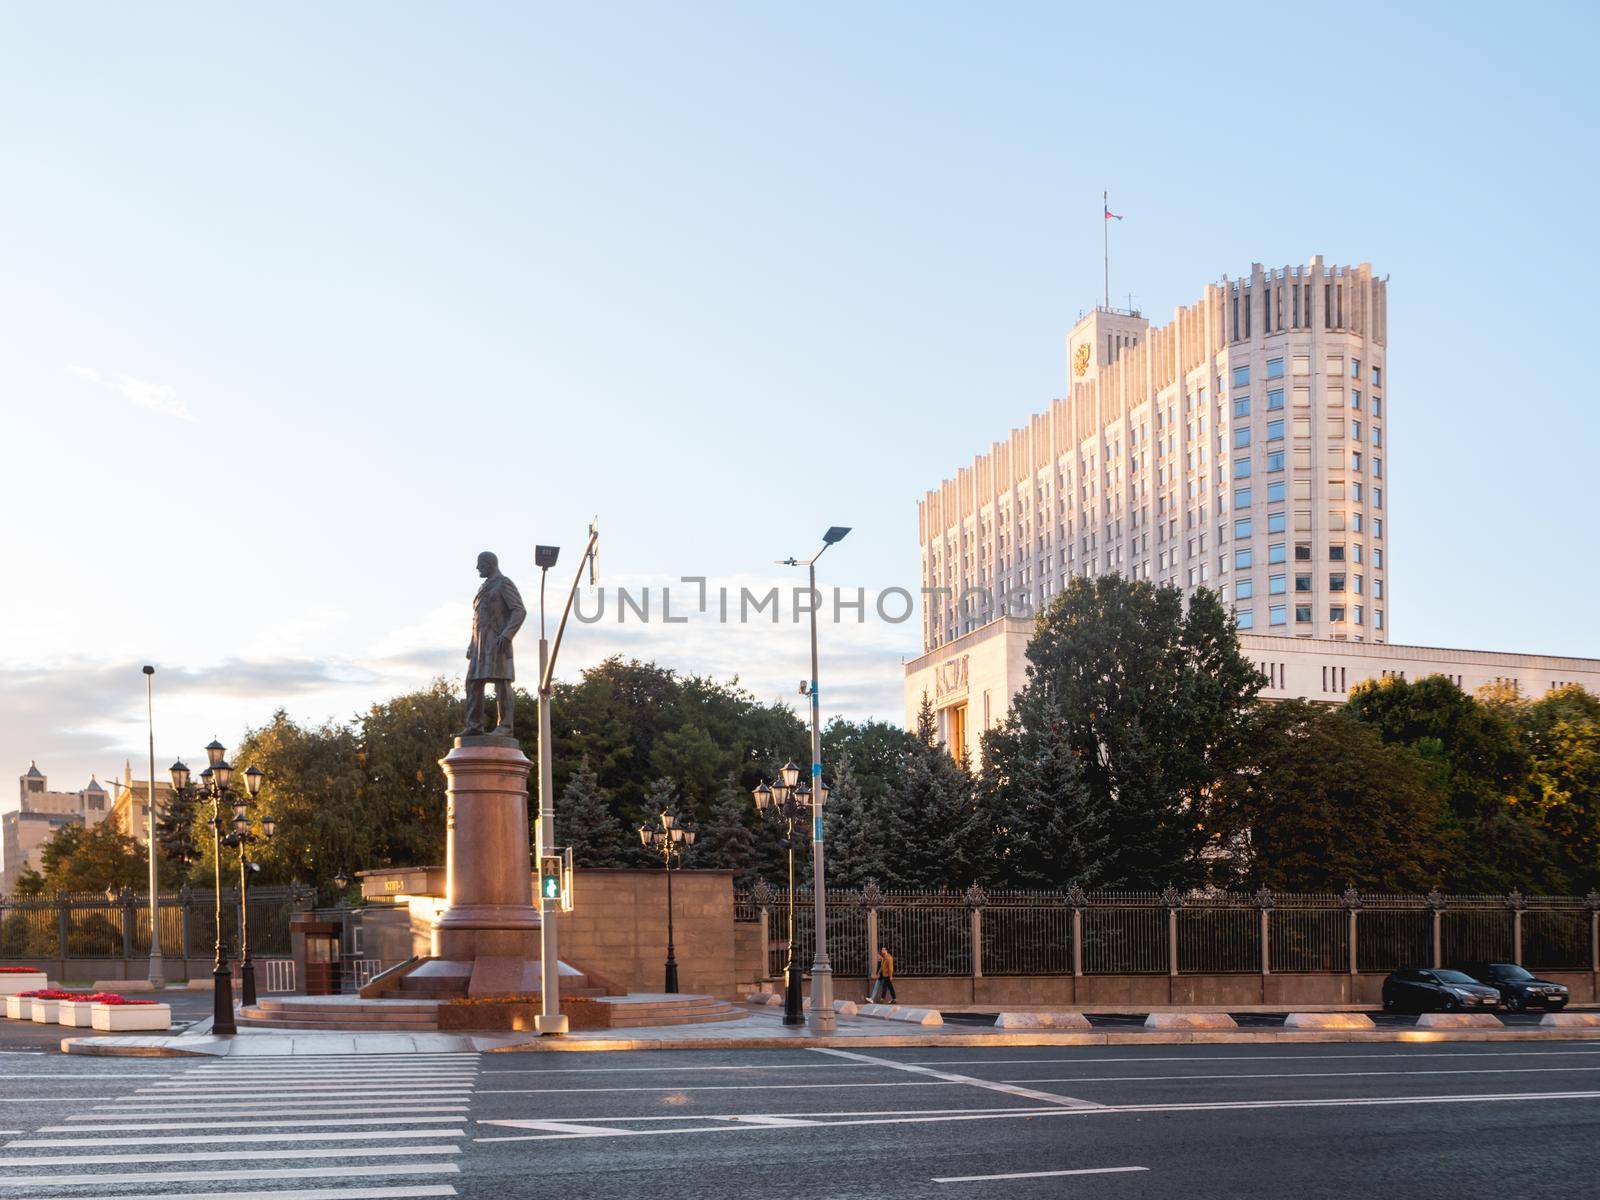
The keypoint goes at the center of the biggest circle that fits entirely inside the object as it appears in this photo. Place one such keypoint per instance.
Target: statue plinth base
(489, 925)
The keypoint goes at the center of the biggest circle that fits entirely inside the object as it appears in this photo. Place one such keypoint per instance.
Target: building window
(1355, 368)
(1355, 551)
(1377, 376)
(1277, 585)
(1336, 582)
(1246, 618)
(1355, 460)
(1241, 468)
(1241, 407)
(1275, 492)
(1377, 468)
(1241, 498)
(1336, 552)
(1336, 612)
(1356, 616)
(1274, 368)
(1377, 613)
(1275, 461)
(1242, 558)
(1302, 614)
(1244, 589)
(1278, 614)
(1275, 552)
(1377, 556)
(1355, 585)
(1377, 589)
(1276, 522)
(1275, 399)
(1377, 440)
(1302, 583)
(1377, 408)
(1241, 438)
(1241, 529)
(1241, 376)
(1274, 430)
(1302, 552)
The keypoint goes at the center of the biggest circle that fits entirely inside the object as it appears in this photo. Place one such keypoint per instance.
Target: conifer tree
(585, 822)
(725, 841)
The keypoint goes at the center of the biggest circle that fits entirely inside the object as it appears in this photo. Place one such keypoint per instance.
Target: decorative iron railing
(1074, 932)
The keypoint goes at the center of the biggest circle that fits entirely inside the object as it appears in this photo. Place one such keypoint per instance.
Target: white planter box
(73, 1013)
(45, 1011)
(12, 982)
(19, 1008)
(119, 1018)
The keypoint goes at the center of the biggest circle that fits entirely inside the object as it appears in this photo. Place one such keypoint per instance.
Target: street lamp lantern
(822, 794)
(252, 780)
(789, 774)
(341, 881)
(763, 795)
(269, 826)
(223, 773)
(180, 776)
(215, 752)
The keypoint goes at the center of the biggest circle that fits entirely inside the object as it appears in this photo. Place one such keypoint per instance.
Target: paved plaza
(1115, 1122)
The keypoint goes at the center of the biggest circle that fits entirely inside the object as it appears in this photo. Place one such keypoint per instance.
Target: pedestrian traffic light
(551, 878)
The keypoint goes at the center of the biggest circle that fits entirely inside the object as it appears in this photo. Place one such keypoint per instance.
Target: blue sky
(302, 306)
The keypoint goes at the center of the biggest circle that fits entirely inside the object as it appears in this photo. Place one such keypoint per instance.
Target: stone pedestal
(487, 934)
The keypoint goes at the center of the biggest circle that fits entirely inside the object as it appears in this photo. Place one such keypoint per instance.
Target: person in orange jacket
(884, 983)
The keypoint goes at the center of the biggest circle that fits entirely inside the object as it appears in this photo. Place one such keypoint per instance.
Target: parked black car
(1518, 988)
(1424, 989)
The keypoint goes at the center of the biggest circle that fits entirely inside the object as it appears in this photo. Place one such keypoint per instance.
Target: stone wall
(618, 929)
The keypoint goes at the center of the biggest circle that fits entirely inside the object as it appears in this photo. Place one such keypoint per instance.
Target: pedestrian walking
(883, 982)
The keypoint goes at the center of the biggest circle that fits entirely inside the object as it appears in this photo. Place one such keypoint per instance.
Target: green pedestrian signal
(551, 876)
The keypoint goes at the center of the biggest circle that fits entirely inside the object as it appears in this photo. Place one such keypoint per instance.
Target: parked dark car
(1425, 989)
(1518, 988)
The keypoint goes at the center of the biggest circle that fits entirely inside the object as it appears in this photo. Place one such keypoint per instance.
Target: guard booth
(317, 953)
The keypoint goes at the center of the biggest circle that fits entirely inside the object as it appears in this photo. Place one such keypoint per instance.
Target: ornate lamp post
(822, 1018)
(669, 840)
(785, 802)
(244, 837)
(215, 783)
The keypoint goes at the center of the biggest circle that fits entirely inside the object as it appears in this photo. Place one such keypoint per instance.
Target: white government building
(1242, 448)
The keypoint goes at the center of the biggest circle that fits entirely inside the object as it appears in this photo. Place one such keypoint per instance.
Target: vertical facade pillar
(1436, 905)
(975, 922)
(1171, 899)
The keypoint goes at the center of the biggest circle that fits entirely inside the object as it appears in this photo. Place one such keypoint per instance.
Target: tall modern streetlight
(822, 1016)
(785, 802)
(244, 837)
(158, 969)
(668, 840)
(215, 783)
(550, 1020)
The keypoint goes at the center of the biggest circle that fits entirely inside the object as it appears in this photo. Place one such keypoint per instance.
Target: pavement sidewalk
(760, 1028)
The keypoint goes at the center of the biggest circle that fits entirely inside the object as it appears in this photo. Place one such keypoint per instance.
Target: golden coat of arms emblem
(1080, 359)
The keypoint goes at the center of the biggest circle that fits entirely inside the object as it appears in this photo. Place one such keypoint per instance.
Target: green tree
(328, 818)
(585, 822)
(401, 743)
(725, 840)
(176, 837)
(1149, 701)
(1480, 761)
(79, 859)
(1561, 732)
(856, 844)
(1325, 804)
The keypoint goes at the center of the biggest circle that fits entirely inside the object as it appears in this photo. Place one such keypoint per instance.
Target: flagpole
(1105, 238)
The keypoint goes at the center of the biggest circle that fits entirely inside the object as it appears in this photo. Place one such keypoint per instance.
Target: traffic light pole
(550, 1020)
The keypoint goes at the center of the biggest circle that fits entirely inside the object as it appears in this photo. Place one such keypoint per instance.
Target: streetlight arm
(555, 648)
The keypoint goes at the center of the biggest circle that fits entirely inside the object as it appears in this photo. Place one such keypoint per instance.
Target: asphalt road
(1336, 1120)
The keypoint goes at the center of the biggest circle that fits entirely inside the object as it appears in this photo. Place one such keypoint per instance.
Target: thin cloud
(158, 397)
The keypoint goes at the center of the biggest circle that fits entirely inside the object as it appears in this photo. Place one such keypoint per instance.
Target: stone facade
(39, 814)
(616, 933)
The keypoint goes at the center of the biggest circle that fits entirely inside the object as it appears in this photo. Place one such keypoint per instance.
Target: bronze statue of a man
(497, 614)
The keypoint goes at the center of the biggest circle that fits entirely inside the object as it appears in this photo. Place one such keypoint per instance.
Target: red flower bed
(20, 971)
(116, 1000)
(58, 994)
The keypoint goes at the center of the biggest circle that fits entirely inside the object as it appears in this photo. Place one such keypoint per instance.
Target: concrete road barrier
(846, 1008)
(1458, 1020)
(896, 1012)
(126, 987)
(1571, 1020)
(1328, 1020)
(1189, 1020)
(1041, 1020)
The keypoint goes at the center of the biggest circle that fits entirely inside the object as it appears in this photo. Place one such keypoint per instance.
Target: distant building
(39, 815)
(1238, 448)
(130, 812)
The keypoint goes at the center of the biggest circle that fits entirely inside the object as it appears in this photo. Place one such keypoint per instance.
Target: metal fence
(1171, 933)
(117, 925)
